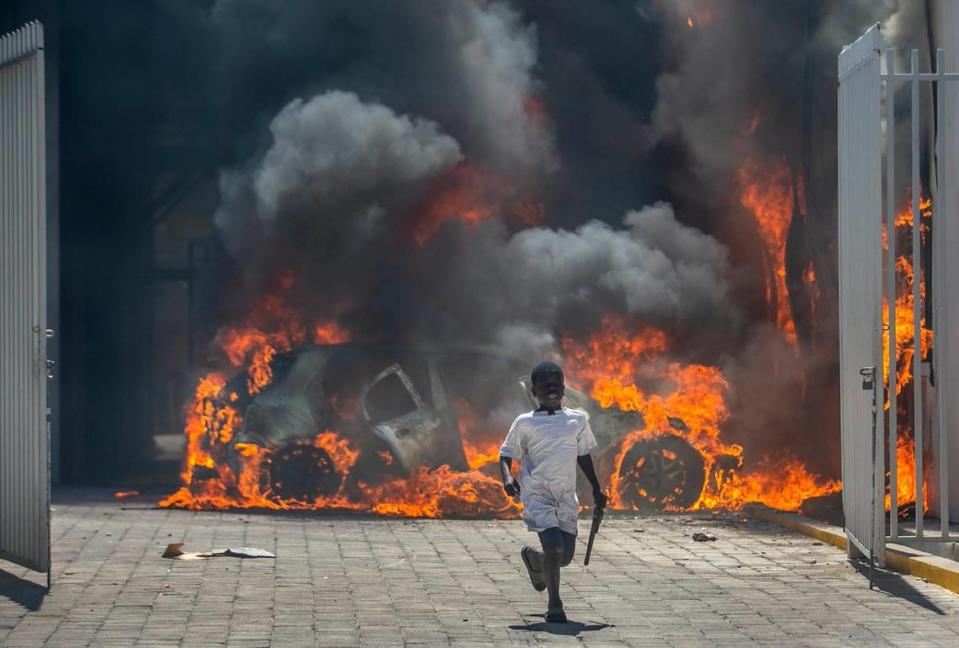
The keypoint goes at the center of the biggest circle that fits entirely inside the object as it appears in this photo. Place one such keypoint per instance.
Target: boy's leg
(569, 548)
(554, 549)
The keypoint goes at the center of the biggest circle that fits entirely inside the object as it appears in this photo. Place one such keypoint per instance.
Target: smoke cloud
(656, 268)
(515, 127)
(464, 65)
(339, 177)
(332, 160)
(523, 290)
(334, 147)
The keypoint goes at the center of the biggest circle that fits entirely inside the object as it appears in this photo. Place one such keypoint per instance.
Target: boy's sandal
(535, 575)
(556, 616)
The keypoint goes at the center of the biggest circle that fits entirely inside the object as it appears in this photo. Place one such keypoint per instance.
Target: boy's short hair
(543, 369)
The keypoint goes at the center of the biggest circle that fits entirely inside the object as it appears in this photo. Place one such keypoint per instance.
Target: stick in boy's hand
(598, 511)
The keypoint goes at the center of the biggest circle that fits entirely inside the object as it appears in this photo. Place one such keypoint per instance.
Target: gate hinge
(45, 332)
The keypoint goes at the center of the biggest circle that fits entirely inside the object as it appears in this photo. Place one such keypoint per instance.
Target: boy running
(549, 442)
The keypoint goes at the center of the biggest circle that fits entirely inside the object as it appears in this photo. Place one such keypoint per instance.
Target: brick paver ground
(346, 581)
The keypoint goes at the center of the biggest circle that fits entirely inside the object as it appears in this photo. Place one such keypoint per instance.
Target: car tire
(662, 472)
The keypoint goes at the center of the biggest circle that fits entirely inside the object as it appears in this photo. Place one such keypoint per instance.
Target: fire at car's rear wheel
(303, 472)
(662, 472)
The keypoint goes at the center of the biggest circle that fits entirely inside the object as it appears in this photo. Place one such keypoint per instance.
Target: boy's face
(549, 390)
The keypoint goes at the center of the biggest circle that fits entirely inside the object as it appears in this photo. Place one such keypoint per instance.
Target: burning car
(403, 411)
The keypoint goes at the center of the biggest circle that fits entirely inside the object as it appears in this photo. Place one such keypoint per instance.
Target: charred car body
(411, 408)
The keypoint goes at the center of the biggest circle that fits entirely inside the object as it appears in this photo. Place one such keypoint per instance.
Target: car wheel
(662, 472)
(303, 472)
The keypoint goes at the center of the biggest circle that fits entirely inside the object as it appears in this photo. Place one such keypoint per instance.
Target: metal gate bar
(916, 295)
(939, 210)
(891, 294)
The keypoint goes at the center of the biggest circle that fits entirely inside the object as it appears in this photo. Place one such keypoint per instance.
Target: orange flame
(783, 483)
(206, 423)
(212, 420)
(905, 346)
(339, 450)
(331, 333)
(623, 368)
(466, 193)
(687, 401)
(906, 474)
(904, 301)
(441, 493)
(768, 192)
(272, 328)
(702, 14)
(480, 448)
(472, 194)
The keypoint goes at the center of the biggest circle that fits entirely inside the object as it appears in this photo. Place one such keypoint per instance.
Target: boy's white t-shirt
(547, 445)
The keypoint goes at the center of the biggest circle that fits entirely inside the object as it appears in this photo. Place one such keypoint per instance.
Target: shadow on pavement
(569, 629)
(19, 590)
(893, 584)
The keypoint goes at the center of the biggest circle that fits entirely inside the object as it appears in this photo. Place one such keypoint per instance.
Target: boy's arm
(510, 485)
(586, 465)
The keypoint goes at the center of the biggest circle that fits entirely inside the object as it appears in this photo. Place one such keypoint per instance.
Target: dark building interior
(131, 191)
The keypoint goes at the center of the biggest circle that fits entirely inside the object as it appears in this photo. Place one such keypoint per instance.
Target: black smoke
(622, 123)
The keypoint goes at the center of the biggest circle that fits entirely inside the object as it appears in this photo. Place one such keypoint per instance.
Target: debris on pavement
(175, 550)
(126, 493)
(703, 537)
(244, 552)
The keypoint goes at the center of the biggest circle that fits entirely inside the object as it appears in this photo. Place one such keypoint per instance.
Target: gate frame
(886, 78)
(25, 46)
(860, 289)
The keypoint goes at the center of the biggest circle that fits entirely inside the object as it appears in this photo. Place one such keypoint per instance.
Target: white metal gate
(860, 289)
(940, 217)
(861, 90)
(24, 433)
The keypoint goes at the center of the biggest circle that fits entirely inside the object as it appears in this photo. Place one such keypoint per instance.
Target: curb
(906, 560)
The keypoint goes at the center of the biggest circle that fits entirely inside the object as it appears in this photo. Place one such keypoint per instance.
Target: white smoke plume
(334, 147)
(656, 267)
(332, 159)
(524, 290)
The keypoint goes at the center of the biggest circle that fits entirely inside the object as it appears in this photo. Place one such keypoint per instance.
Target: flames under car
(405, 409)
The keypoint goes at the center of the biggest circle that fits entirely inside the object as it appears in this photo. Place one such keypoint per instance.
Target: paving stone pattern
(347, 581)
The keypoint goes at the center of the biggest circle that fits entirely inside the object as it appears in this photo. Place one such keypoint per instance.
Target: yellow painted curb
(818, 530)
(906, 560)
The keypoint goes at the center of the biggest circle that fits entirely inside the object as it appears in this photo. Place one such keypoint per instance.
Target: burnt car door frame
(428, 435)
